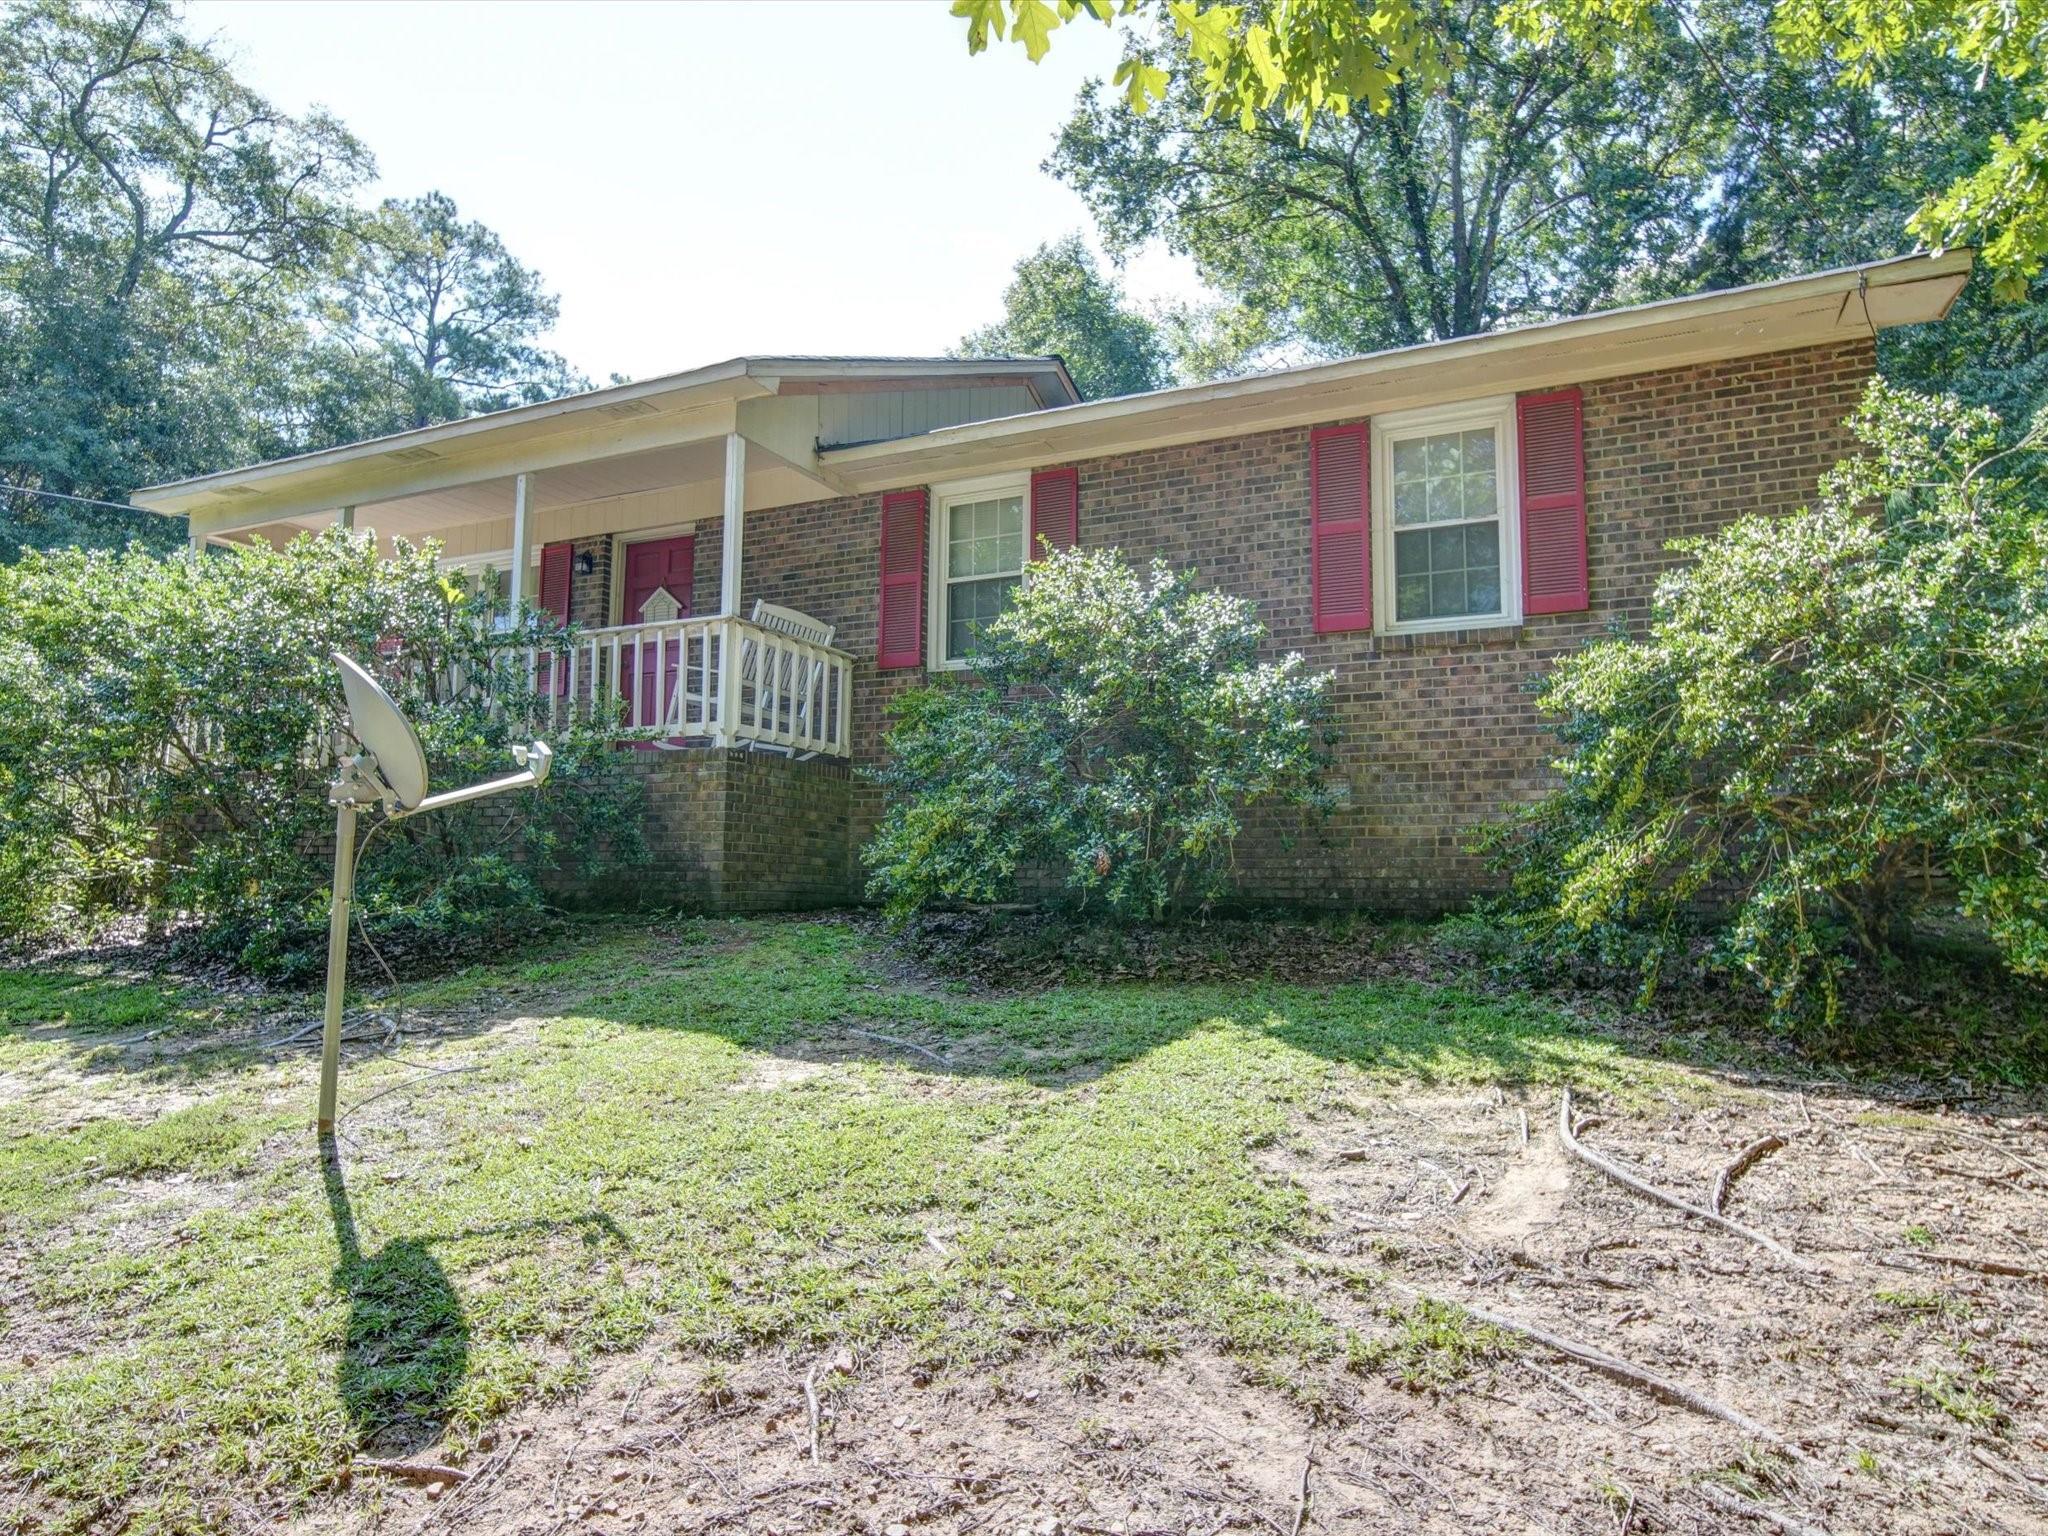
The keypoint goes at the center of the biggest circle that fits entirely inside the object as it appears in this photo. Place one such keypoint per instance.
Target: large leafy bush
(1834, 719)
(1114, 728)
(164, 726)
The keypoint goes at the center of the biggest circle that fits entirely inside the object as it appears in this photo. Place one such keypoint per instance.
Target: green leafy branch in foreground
(1832, 715)
(1317, 58)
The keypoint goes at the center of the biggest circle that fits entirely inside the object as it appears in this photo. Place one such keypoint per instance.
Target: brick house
(762, 553)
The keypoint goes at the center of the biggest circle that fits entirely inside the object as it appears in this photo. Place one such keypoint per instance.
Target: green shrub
(1834, 718)
(1114, 728)
(163, 731)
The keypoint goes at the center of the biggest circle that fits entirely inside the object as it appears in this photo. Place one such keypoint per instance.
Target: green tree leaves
(1831, 715)
(1117, 725)
(161, 745)
(1059, 303)
(1311, 62)
(186, 281)
(1531, 182)
(449, 315)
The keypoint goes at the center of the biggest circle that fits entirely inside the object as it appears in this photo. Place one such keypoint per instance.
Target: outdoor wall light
(586, 562)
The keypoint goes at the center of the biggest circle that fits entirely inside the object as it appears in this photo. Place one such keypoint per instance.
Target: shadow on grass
(407, 1348)
(406, 1352)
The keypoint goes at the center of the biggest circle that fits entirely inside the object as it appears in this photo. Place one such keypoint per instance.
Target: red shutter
(1055, 510)
(1340, 527)
(554, 581)
(554, 598)
(901, 640)
(1551, 439)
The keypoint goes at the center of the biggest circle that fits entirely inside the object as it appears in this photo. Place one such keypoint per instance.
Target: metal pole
(337, 959)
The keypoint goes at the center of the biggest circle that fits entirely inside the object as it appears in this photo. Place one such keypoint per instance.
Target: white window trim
(472, 567)
(1497, 412)
(944, 498)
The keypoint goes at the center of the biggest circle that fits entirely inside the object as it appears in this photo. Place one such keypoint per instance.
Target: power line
(83, 501)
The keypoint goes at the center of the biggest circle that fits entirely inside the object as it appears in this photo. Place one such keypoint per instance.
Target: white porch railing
(720, 680)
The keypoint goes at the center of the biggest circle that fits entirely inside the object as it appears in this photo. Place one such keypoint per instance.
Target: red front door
(654, 566)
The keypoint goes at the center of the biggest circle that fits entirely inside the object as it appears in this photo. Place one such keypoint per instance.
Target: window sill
(1475, 624)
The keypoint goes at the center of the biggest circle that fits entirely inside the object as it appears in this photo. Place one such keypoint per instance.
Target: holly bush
(1114, 728)
(1835, 719)
(165, 726)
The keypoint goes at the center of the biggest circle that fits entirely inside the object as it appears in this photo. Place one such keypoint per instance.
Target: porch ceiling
(695, 470)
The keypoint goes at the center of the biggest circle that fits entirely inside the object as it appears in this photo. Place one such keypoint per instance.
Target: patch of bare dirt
(662, 1444)
(1907, 1376)
(1903, 1372)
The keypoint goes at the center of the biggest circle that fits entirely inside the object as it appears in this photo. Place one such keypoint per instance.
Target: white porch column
(729, 588)
(346, 518)
(522, 540)
(735, 522)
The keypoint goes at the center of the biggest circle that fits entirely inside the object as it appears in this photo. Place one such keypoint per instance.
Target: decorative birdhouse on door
(660, 607)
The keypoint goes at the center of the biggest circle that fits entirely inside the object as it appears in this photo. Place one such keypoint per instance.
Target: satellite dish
(375, 720)
(390, 770)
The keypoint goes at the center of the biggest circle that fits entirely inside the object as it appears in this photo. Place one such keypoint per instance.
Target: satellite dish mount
(388, 769)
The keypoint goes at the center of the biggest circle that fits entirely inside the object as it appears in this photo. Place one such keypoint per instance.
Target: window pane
(1447, 573)
(1411, 599)
(985, 538)
(971, 605)
(1411, 502)
(1479, 450)
(1482, 547)
(1409, 460)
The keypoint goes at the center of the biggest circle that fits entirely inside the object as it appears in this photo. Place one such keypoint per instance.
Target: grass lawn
(733, 1156)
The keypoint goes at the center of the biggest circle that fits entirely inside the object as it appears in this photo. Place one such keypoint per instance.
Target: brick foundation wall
(738, 831)
(1437, 732)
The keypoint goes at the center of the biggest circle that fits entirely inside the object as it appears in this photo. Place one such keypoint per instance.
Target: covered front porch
(630, 530)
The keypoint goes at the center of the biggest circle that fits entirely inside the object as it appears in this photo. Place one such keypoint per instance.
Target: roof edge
(768, 369)
(1845, 280)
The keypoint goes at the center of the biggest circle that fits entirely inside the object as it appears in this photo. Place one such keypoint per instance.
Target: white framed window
(980, 544)
(488, 578)
(1447, 542)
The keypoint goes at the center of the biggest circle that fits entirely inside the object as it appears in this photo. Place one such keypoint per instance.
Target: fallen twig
(466, 1494)
(1740, 1164)
(1607, 1415)
(1457, 1190)
(902, 1045)
(1985, 1266)
(2026, 1482)
(1734, 1504)
(1522, 1122)
(411, 1471)
(811, 1409)
(427, 1075)
(1308, 1458)
(1626, 1371)
(2001, 1149)
(1866, 1160)
(1642, 1186)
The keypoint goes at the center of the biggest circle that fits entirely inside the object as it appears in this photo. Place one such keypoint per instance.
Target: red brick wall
(1437, 731)
(735, 831)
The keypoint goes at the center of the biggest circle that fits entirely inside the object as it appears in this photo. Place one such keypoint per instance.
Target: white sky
(702, 180)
